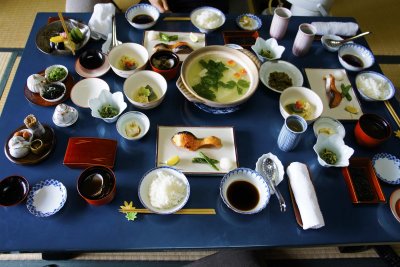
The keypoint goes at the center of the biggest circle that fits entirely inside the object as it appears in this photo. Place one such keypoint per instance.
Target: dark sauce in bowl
(164, 60)
(375, 127)
(353, 60)
(142, 19)
(88, 186)
(53, 91)
(92, 59)
(243, 195)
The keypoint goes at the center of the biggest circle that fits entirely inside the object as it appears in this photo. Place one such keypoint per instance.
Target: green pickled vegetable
(56, 74)
(328, 156)
(108, 111)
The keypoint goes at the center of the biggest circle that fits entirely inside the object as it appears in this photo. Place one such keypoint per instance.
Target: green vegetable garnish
(168, 38)
(266, 53)
(204, 159)
(328, 156)
(145, 94)
(108, 111)
(345, 91)
(56, 74)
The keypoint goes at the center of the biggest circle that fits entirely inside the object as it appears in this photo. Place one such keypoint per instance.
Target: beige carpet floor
(377, 16)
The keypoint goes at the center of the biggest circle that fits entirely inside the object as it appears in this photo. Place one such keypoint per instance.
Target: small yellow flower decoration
(127, 206)
(397, 133)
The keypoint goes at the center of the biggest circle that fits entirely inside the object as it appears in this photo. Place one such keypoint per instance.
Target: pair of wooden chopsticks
(176, 18)
(71, 43)
(392, 112)
(182, 211)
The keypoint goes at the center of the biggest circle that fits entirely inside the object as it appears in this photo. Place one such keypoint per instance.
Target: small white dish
(374, 86)
(135, 117)
(142, 79)
(387, 168)
(247, 175)
(267, 46)
(280, 66)
(142, 9)
(328, 126)
(394, 198)
(354, 54)
(281, 170)
(116, 100)
(249, 22)
(149, 177)
(65, 115)
(50, 87)
(136, 52)
(52, 67)
(87, 89)
(332, 37)
(335, 144)
(46, 198)
(207, 19)
(94, 73)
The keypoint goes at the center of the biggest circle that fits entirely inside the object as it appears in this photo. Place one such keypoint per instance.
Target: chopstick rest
(305, 196)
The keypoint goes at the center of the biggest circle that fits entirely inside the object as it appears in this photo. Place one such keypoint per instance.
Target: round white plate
(281, 170)
(87, 89)
(103, 69)
(387, 168)
(46, 198)
(329, 123)
(280, 66)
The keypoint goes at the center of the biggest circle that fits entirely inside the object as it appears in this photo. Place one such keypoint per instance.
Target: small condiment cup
(37, 147)
(372, 130)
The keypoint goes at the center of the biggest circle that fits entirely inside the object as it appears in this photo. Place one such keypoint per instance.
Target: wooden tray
(35, 98)
(49, 139)
(243, 38)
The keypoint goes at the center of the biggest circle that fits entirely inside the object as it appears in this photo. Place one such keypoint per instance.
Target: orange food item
(231, 63)
(190, 141)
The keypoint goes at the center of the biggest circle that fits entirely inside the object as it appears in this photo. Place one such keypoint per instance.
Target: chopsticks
(71, 44)
(182, 211)
(176, 18)
(392, 112)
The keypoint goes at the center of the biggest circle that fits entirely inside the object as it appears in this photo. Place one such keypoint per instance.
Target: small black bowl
(13, 190)
(92, 59)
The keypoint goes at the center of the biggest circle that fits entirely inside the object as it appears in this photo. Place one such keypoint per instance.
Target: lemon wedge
(173, 161)
(193, 37)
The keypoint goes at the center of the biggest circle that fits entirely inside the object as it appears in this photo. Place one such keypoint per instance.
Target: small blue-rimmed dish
(355, 57)
(244, 191)
(142, 16)
(46, 198)
(164, 190)
(249, 22)
(374, 86)
(387, 168)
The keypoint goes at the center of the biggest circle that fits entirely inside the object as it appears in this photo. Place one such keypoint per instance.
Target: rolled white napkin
(334, 27)
(304, 194)
(100, 22)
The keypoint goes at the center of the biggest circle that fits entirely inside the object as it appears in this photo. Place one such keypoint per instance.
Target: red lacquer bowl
(372, 130)
(165, 63)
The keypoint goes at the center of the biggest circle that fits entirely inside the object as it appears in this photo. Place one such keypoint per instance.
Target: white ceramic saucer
(46, 198)
(87, 89)
(323, 125)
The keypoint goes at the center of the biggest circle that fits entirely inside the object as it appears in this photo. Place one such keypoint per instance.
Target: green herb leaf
(345, 91)
(229, 85)
(168, 38)
(203, 161)
(209, 161)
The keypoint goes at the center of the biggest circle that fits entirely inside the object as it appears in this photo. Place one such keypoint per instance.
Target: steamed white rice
(373, 88)
(208, 19)
(166, 191)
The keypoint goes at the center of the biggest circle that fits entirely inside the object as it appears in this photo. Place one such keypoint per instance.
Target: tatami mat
(7, 87)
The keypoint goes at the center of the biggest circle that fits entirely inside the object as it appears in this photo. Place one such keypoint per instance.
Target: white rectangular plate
(166, 149)
(317, 83)
(182, 37)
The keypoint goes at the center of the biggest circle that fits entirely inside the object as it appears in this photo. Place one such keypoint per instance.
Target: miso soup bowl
(109, 186)
(254, 178)
(224, 54)
(372, 130)
(13, 190)
(170, 66)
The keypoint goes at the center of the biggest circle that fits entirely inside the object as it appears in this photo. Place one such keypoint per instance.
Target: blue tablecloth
(81, 227)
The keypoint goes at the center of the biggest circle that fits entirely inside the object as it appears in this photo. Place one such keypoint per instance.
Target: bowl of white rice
(164, 190)
(374, 86)
(207, 19)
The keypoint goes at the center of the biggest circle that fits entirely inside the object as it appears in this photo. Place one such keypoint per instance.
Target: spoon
(95, 185)
(336, 43)
(271, 171)
(114, 42)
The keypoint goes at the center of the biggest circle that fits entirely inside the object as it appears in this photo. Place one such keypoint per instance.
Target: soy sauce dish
(92, 59)
(355, 57)
(13, 190)
(142, 16)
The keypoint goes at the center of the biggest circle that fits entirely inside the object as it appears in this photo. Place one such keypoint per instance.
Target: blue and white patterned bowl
(254, 22)
(217, 111)
(46, 198)
(142, 9)
(387, 168)
(359, 51)
(249, 175)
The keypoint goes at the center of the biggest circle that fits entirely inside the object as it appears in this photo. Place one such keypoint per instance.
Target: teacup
(372, 130)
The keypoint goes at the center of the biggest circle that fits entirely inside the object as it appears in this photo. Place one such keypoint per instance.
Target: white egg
(225, 164)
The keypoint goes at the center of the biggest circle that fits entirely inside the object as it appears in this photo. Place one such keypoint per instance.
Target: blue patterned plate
(248, 22)
(214, 110)
(46, 198)
(387, 168)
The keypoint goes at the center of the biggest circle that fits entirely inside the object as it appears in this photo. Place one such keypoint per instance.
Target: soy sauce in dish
(374, 127)
(142, 19)
(243, 195)
(353, 60)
